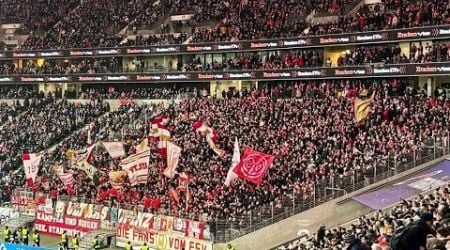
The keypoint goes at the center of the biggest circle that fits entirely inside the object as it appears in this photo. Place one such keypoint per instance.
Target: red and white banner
(231, 176)
(160, 232)
(75, 218)
(115, 149)
(83, 161)
(183, 181)
(253, 166)
(160, 133)
(67, 179)
(25, 202)
(137, 167)
(211, 136)
(173, 156)
(31, 165)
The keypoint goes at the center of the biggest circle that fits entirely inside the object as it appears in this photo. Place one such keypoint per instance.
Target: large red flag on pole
(253, 166)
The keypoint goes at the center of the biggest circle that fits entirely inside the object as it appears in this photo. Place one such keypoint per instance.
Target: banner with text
(162, 232)
(24, 202)
(74, 217)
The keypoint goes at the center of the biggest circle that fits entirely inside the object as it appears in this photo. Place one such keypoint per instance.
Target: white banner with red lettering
(31, 165)
(137, 167)
(160, 232)
(74, 217)
(25, 202)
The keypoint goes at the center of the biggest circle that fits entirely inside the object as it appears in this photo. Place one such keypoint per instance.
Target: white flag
(83, 161)
(115, 149)
(231, 176)
(31, 165)
(173, 156)
(137, 167)
(88, 168)
(142, 146)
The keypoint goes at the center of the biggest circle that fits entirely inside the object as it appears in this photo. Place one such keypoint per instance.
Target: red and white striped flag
(211, 136)
(160, 133)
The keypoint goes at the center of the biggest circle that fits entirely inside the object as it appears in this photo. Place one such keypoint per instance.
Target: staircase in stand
(106, 238)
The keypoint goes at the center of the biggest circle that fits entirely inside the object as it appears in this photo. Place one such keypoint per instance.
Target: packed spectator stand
(375, 231)
(234, 20)
(42, 123)
(94, 23)
(278, 119)
(307, 125)
(286, 59)
(35, 15)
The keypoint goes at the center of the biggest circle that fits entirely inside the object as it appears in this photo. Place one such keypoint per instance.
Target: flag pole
(187, 196)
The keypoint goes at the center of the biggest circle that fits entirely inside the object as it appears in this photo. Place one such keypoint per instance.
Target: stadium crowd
(164, 92)
(86, 66)
(309, 124)
(253, 20)
(93, 24)
(275, 60)
(386, 54)
(19, 92)
(154, 14)
(38, 15)
(427, 216)
(391, 54)
(390, 14)
(39, 123)
(236, 20)
(160, 39)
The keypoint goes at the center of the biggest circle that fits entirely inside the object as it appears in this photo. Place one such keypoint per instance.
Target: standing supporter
(416, 237)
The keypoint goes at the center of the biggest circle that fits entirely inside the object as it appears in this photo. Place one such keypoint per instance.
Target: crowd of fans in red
(308, 125)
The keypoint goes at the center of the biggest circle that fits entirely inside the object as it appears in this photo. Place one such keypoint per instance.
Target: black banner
(412, 34)
(400, 70)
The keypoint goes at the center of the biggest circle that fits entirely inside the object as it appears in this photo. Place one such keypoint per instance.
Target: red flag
(253, 166)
